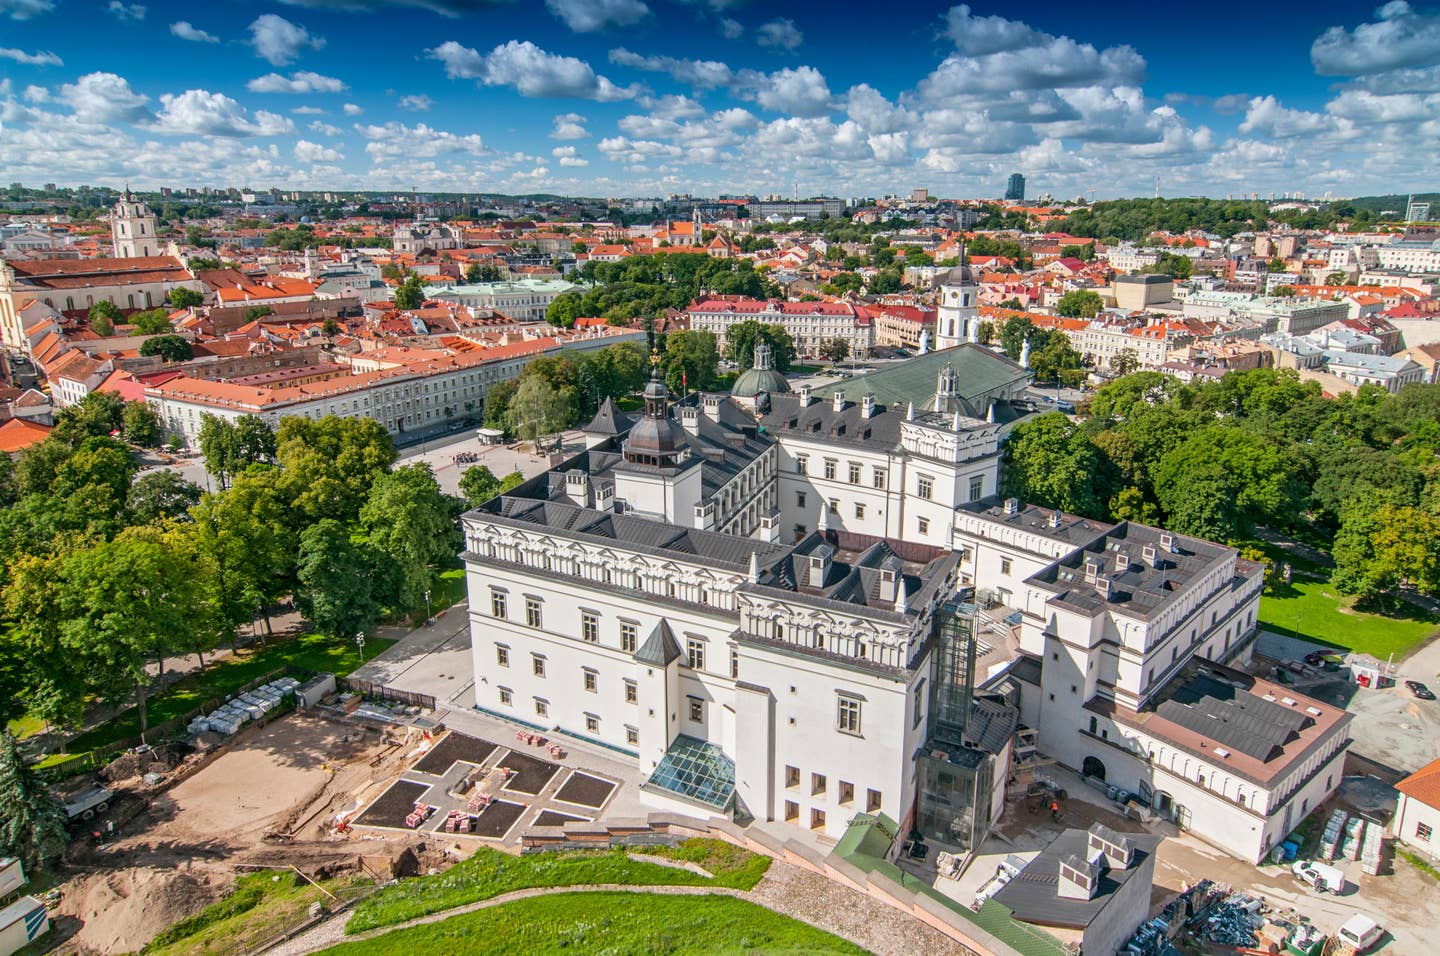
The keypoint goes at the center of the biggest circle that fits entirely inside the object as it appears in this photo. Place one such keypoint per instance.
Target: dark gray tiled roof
(1233, 717)
(608, 420)
(660, 648)
(1070, 529)
(1032, 895)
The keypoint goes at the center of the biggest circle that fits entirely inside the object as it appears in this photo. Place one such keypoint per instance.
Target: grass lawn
(23, 727)
(606, 923)
(1320, 613)
(262, 905)
(448, 590)
(311, 651)
(490, 873)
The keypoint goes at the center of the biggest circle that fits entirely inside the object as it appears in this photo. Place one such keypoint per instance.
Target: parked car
(1360, 933)
(1419, 690)
(1322, 876)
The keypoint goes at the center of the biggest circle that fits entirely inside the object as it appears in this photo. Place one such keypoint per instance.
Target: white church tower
(132, 228)
(957, 317)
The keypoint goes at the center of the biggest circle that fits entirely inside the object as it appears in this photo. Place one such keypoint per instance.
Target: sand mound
(122, 910)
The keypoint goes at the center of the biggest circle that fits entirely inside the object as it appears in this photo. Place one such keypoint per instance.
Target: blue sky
(650, 97)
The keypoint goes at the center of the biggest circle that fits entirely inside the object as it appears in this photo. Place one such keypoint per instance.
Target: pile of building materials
(1334, 831)
(1233, 921)
(1152, 938)
(1354, 839)
(1370, 853)
(229, 717)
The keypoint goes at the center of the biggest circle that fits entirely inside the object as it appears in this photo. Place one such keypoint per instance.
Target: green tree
(835, 350)
(249, 532)
(1335, 278)
(32, 820)
(258, 312)
(478, 484)
(537, 409)
(410, 294)
(1079, 303)
(1127, 362)
(337, 581)
(408, 519)
(564, 309)
(151, 322)
(140, 424)
(614, 371)
(216, 439)
(1222, 480)
(97, 415)
(1050, 462)
(160, 495)
(329, 464)
(171, 348)
(691, 361)
(103, 315)
(183, 298)
(1379, 547)
(742, 337)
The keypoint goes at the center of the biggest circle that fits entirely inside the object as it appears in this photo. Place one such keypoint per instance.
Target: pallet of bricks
(1371, 851)
(1334, 833)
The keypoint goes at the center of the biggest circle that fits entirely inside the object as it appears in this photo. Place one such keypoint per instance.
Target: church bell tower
(132, 228)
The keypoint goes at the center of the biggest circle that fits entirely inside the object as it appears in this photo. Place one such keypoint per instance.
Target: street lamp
(428, 615)
(360, 644)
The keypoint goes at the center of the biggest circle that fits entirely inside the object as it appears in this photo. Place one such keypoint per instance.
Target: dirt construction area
(266, 799)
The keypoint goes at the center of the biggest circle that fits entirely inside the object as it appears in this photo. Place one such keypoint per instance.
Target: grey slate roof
(1234, 718)
(608, 420)
(660, 648)
(1032, 895)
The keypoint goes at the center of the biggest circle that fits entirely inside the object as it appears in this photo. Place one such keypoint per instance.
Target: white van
(1360, 932)
(1322, 876)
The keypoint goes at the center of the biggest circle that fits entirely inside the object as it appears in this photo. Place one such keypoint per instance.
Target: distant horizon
(642, 98)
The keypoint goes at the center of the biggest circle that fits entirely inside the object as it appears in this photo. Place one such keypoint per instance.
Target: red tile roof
(1423, 785)
(19, 433)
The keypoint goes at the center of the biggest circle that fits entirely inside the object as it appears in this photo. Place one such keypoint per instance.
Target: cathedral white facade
(797, 608)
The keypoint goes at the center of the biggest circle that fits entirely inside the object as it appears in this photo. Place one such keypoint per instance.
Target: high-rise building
(1015, 189)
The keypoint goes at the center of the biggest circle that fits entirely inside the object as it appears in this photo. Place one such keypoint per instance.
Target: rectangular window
(872, 801)
(532, 612)
(799, 499)
(830, 468)
(817, 784)
(537, 665)
(734, 664)
(590, 628)
(592, 680)
(632, 692)
(977, 488)
(847, 791)
(848, 715)
(695, 649)
(502, 655)
(697, 710)
(792, 776)
(834, 504)
(802, 464)
(592, 724)
(1004, 565)
(918, 704)
(817, 819)
(1423, 831)
(854, 472)
(924, 486)
(792, 811)
(542, 708)
(497, 604)
(859, 510)
(924, 525)
(877, 477)
(627, 637)
(632, 736)
(506, 697)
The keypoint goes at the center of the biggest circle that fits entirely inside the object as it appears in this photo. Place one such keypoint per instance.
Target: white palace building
(795, 608)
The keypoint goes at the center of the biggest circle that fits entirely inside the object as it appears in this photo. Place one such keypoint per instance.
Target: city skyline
(650, 97)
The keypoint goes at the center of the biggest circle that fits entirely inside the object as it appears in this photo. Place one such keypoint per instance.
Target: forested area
(1134, 219)
(648, 285)
(103, 573)
(1357, 475)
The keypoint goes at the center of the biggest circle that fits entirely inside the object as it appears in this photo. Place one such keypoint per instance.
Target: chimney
(690, 420)
(839, 401)
(867, 405)
(1012, 506)
(1116, 848)
(1054, 520)
(1167, 542)
(1102, 586)
(1122, 562)
(712, 407)
(804, 395)
(1092, 570)
(1148, 553)
(890, 578)
(1079, 878)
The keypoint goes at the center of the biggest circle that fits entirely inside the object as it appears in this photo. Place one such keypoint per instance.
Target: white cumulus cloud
(567, 156)
(38, 58)
(530, 71)
(280, 41)
(396, 140)
(1401, 37)
(300, 82)
(203, 113)
(588, 16)
(126, 11)
(25, 9)
(308, 152)
(104, 97)
(186, 31)
(569, 126)
(781, 34)
(415, 103)
(702, 74)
